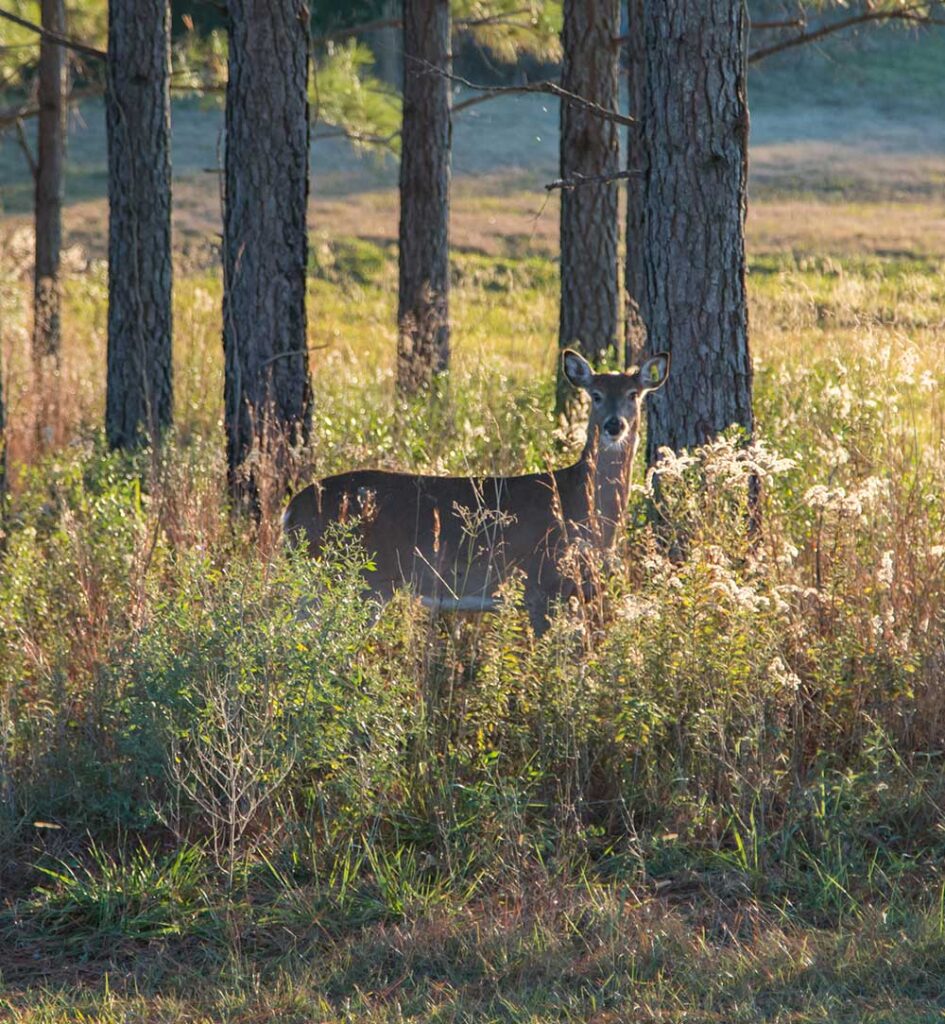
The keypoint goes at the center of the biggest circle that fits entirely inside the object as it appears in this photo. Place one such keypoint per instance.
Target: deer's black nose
(613, 426)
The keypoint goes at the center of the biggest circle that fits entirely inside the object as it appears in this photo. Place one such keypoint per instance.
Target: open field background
(716, 797)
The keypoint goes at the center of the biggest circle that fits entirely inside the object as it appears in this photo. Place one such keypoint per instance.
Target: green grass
(714, 795)
(892, 68)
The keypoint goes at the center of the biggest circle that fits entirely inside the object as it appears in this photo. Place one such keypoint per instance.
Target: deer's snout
(614, 426)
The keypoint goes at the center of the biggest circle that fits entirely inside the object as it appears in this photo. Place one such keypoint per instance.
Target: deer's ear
(654, 371)
(577, 369)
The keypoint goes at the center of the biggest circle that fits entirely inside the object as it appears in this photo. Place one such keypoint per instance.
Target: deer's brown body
(454, 540)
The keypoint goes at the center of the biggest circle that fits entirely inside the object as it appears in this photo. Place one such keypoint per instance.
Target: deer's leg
(537, 605)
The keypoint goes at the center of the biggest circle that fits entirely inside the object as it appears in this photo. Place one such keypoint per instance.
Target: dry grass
(503, 215)
(798, 875)
(551, 952)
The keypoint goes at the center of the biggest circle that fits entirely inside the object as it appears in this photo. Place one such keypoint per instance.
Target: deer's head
(616, 398)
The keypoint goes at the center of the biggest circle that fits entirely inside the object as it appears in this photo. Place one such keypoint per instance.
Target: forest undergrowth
(714, 794)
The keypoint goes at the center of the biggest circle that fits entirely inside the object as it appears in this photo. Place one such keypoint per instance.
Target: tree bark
(138, 116)
(51, 132)
(589, 146)
(695, 121)
(423, 347)
(265, 241)
(634, 275)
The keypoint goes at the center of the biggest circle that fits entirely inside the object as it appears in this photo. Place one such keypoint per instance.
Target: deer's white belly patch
(474, 603)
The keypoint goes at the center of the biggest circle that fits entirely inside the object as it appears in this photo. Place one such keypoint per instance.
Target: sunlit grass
(716, 796)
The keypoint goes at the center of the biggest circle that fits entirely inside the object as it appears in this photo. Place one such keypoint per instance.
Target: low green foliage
(135, 897)
(715, 787)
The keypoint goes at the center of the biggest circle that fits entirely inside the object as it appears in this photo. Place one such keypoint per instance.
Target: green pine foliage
(510, 29)
(345, 95)
(86, 21)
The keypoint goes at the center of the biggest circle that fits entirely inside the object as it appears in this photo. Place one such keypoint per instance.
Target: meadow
(715, 794)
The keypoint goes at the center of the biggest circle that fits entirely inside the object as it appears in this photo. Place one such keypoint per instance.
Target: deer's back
(458, 535)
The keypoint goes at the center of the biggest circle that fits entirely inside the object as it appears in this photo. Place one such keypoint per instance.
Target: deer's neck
(607, 481)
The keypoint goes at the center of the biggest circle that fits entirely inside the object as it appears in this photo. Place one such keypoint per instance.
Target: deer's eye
(596, 397)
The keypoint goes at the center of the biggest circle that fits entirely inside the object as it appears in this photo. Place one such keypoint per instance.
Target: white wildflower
(671, 465)
(906, 366)
(780, 673)
(849, 504)
(838, 456)
(633, 609)
(788, 554)
(873, 488)
(886, 571)
(841, 397)
(817, 496)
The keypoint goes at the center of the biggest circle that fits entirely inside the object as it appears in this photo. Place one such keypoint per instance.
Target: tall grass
(740, 747)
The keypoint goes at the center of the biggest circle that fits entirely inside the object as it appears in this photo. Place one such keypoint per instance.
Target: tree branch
(25, 146)
(763, 26)
(365, 138)
(490, 93)
(459, 25)
(547, 86)
(9, 116)
(505, 18)
(338, 132)
(911, 14)
(55, 37)
(472, 101)
(211, 88)
(295, 352)
(590, 179)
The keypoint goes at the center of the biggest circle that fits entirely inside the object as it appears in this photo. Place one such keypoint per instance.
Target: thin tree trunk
(695, 119)
(589, 146)
(49, 183)
(423, 295)
(634, 275)
(138, 116)
(265, 241)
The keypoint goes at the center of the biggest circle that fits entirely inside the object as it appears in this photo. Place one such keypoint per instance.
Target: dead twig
(577, 179)
(548, 86)
(295, 352)
(763, 26)
(912, 14)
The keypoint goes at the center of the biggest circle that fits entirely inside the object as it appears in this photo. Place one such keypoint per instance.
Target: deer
(454, 541)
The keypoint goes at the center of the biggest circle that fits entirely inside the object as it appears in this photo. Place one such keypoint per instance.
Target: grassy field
(714, 795)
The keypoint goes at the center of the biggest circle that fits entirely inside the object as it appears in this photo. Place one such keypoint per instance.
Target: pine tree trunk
(590, 146)
(265, 241)
(137, 110)
(695, 119)
(635, 337)
(423, 295)
(49, 183)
